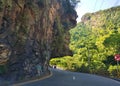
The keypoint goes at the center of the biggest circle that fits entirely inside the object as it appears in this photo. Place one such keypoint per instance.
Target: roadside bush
(54, 61)
(97, 67)
(84, 68)
(114, 71)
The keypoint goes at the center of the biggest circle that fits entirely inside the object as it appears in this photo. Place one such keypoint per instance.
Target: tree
(113, 42)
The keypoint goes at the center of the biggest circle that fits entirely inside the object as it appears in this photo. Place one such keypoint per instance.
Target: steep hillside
(103, 18)
(31, 31)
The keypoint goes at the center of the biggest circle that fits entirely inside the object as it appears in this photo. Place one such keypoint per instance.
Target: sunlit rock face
(32, 31)
(4, 53)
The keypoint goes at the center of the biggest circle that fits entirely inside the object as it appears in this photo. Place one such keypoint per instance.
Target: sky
(90, 6)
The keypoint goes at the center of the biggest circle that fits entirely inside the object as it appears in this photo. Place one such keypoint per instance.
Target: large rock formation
(32, 31)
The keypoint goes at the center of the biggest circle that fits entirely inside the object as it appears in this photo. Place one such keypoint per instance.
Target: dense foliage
(94, 42)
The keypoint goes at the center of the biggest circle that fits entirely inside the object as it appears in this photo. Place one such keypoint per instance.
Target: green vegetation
(1, 5)
(3, 69)
(94, 42)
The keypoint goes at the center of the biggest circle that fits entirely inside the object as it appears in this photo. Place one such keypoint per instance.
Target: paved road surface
(64, 78)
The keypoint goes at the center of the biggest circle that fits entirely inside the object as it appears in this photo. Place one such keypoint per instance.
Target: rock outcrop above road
(32, 31)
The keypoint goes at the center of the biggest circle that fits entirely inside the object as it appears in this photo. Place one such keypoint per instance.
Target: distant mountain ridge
(100, 18)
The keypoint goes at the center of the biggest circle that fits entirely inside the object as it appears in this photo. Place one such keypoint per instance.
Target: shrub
(84, 68)
(114, 71)
(98, 67)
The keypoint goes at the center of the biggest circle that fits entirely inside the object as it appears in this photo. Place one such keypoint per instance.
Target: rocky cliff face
(32, 31)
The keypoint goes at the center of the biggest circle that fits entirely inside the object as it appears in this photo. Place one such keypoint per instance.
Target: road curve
(66, 78)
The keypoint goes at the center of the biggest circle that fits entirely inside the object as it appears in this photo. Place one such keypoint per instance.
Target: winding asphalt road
(65, 78)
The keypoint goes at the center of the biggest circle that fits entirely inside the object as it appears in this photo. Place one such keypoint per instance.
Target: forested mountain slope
(94, 42)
